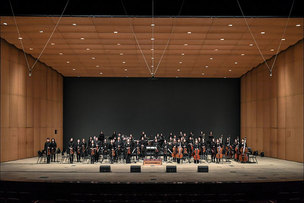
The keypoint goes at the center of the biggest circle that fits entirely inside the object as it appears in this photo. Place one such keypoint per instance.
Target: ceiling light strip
(253, 36)
(50, 35)
(132, 28)
(152, 30)
(173, 25)
(275, 58)
(27, 63)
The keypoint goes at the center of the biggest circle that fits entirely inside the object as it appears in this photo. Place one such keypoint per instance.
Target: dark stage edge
(186, 192)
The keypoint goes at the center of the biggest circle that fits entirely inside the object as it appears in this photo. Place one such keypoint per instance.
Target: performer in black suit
(78, 150)
(53, 149)
(71, 148)
(165, 149)
(47, 150)
(101, 136)
(83, 148)
(92, 150)
(128, 151)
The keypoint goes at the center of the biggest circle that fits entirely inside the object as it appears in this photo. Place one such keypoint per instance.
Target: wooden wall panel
(277, 107)
(28, 115)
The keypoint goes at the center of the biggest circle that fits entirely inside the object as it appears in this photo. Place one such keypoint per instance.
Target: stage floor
(266, 170)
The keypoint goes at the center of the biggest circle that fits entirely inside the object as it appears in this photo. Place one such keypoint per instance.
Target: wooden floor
(266, 170)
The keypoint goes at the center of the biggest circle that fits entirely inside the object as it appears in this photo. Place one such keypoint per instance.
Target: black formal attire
(47, 149)
(78, 151)
(53, 150)
(71, 149)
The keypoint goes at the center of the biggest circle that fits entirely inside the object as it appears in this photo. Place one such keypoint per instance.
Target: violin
(129, 150)
(48, 151)
(71, 150)
(138, 151)
(113, 152)
(92, 151)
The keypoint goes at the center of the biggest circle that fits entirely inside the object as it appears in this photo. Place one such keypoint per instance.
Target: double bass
(243, 157)
(228, 149)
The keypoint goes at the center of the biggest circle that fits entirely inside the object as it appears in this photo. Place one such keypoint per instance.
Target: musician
(143, 147)
(236, 149)
(210, 137)
(47, 149)
(98, 145)
(161, 140)
(156, 145)
(137, 149)
(53, 149)
(119, 146)
(190, 149)
(92, 151)
(179, 151)
(71, 148)
(196, 156)
(219, 150)
(112, 151)
(101, 136)
(78, 150)
(165, 149)
(213, 149)
(204, 149)
(105, 151)
(228, 149)
(83, 148)
(128, 151)
(90, 141)
(114, 135)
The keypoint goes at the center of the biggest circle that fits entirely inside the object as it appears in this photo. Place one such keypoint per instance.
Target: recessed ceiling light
(298, 25)
(230, 25)
(123, 62)
(152, 25)
(242, 54)
(250, 45)
(230, 70)
(222, 39)
(118, 44)
(211, 58)
(180, 62)
(121, 54)
(88, 49)
(236, 62)
(206, 66)
(74, 69)
(225, 77)
(115, 32)
(74, 24)
(82, 38)
(283, 39)
(68, 62)
(185, 44)
(52, 43)
(203, 73)
(152, 38)
(31, 48)
(152, 66)
(97, 66)
(183, 54)
(60, 53)
(189, 33)
(178, 70)
(100, 73)
(262, 33)
(41, 31)
(20, 38)
(93, 58)
(271, 49)
(152, 58)
(126, 69)
(152, 49)
(4, 23)
(215, 49)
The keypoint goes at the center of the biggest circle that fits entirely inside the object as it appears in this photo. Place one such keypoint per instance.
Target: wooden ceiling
(91, 47)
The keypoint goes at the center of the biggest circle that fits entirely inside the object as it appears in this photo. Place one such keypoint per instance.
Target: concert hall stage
(266, 170)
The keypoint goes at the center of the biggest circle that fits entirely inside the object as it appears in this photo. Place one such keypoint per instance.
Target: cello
(196, 156)
(219, 154)
(243, 157)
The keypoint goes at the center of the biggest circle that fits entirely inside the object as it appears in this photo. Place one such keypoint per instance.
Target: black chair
(251, 156)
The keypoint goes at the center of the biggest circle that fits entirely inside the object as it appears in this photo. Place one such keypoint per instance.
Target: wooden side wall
(31, 107)
(272, 107)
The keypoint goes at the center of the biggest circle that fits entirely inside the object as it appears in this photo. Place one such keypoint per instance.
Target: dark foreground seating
(87, 192)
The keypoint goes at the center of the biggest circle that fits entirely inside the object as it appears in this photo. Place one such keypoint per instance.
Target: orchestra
(180, 148)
